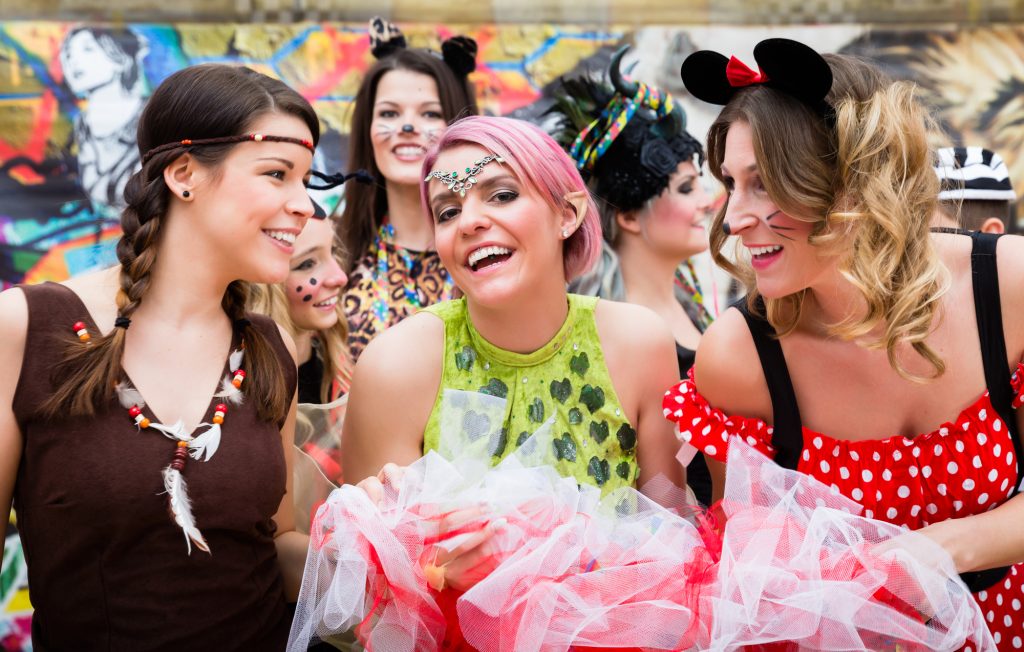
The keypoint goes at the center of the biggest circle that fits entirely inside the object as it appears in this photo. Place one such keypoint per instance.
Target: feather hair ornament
(128, 396)
(228, 391)
(181, 508)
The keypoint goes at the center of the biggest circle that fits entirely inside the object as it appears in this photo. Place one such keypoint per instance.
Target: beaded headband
(452, 180)
(225, 140)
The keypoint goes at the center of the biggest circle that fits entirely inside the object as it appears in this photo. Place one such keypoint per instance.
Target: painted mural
(71, 95)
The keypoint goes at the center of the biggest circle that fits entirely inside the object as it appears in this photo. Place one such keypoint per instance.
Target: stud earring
(565, 234)
(186, 194)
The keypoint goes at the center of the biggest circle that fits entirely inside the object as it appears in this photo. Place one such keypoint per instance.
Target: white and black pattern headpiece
(973, 173)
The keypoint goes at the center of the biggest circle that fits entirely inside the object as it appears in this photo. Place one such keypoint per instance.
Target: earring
(726, 229)
(565, 234)
(185, 194)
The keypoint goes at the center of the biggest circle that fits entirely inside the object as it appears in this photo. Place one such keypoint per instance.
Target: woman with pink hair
(513, 224)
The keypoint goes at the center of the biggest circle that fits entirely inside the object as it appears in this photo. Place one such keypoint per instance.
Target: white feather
(229, 392)
(235, 359)
(181, 509)
(176, 431)
(207, 443)
(128, 395)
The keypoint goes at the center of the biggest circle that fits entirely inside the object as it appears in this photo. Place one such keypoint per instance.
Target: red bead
(187, 141)
(79, 326)
(134, 411)
(220, 407)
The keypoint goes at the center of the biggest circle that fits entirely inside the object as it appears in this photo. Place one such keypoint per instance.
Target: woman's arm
(641, 357)
(13, 333)
(394, 386)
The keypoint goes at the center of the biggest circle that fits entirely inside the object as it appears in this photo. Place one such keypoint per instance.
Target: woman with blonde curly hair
(863, 322)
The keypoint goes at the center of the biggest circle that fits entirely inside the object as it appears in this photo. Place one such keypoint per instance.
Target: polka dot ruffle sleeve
(708, 428)
(1017, 380)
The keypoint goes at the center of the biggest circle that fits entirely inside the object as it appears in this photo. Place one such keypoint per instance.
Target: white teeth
(410, 150)
(484, 252)
(760, 251)
(327, 303)
(283, 236)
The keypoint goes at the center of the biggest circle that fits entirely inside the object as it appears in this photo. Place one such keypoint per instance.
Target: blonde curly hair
(867, 185)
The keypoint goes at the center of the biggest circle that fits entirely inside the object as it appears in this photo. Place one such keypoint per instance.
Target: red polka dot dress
(964, 467)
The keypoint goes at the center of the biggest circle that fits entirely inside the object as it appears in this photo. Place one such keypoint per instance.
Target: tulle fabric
(795, 566)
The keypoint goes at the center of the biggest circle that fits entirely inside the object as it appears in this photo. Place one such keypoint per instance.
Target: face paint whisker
(781, 235)
(769, 217)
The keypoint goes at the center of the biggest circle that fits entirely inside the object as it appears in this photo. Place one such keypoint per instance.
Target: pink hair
(537, 160)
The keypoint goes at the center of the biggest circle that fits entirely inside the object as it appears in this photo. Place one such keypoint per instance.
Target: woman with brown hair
(143, 411)
(405, 102)
(861, 329)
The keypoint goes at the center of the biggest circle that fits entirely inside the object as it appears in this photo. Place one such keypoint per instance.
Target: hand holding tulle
(465, 551)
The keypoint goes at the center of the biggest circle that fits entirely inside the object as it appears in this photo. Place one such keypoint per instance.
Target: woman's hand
(473, 558)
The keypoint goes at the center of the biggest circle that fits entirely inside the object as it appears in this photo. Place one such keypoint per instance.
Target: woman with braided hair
(142, 413)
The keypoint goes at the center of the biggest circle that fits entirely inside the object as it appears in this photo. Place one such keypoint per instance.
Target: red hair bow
(740, 75)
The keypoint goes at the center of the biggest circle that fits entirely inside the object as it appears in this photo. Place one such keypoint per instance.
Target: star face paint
(316, 279)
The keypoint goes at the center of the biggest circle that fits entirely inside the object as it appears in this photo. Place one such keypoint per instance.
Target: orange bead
(237, 382)
(182, 444)
(218, 419)
(144, 423)
(84, 337)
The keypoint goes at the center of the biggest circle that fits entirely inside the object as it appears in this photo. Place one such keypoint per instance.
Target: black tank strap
(787, 428)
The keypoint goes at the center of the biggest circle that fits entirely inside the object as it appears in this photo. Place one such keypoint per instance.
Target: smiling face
(407, 119)
(315, 279)
(86, 65)
(674, 222)
(784, 261)
(502, 239)
(249, 210)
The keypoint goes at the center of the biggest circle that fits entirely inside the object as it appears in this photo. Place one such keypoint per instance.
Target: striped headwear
(972, 173)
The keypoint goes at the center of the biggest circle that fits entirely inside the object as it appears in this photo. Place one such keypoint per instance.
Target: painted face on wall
(86, 65)
(315, 278)
(407, 120)
(784, 261)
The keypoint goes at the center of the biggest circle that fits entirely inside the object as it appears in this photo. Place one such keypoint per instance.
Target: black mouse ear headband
(783, 64)
(458, 52)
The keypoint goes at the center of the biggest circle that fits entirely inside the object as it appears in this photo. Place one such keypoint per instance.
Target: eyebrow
(750, 168)
(379, 103)
(306, 252)
(486, 183)
(284, 161)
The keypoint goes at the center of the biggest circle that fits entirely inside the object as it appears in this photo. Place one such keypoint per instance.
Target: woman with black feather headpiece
(630, 141)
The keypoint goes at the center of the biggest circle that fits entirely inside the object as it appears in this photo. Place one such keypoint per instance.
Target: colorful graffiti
(70, 98)
(15, 609)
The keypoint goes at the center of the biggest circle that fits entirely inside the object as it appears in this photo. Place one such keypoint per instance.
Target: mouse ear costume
(458, 52)
(782, 64)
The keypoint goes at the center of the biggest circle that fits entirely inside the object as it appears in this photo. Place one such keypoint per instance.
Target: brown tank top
(107, 566)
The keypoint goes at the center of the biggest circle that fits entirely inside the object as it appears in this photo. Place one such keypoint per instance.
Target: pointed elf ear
(579, 200)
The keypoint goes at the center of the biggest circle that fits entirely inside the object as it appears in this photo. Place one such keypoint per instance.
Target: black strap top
(787, 436)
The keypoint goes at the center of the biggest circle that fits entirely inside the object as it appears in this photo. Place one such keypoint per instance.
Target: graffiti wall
(71, 95)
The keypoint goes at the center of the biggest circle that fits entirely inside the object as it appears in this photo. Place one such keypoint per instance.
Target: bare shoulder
(407, 354)
(630, 325)
(728, 371)
(98, 291)
(13, 325)
(1010, 259)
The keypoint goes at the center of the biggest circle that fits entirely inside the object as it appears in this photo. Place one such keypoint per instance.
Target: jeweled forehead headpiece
(460, 183)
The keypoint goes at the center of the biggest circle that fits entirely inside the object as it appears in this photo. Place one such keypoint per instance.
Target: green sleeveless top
(562, 388)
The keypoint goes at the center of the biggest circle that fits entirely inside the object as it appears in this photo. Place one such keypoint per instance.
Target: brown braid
(85, 377)
(267, 388)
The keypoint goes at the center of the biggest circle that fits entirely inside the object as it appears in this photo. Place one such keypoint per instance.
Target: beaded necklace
(380, 304)
(693, 289)
(201, 446)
